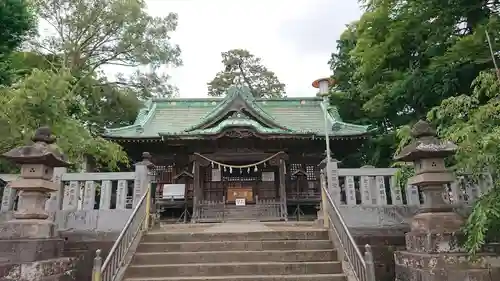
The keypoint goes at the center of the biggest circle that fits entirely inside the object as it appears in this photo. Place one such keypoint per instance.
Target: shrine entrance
(230, 187)
(230, 181)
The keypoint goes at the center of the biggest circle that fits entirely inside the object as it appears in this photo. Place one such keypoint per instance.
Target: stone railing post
(8, 198)
(370, 264)
(323, 214)
(96, 269)
(142, 177)
(54, 203)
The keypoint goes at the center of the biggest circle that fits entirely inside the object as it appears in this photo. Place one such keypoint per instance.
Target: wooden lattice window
(208, 174)
(294, 168)
(164, 174)
(311, 172)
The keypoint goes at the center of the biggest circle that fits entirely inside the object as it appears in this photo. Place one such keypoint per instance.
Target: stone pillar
(8, 198)
(142, 177)
(29, 241)
(322, 213)
(105, 200)
(432, 250)
(53, 203)
(333, 183)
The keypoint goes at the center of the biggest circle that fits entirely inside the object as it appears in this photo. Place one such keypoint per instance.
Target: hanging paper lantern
(255, 169)
(231, 170)
(212, 164)
(248, 170)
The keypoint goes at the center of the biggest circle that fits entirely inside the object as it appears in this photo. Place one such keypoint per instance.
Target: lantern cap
(425, 144)
(42, 151)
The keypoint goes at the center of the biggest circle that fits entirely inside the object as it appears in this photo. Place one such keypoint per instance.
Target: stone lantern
(432, 250)
(37, 162)
(29, 244)
(428, 153)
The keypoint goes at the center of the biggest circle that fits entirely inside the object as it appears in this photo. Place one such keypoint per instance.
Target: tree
(403, 58)
(408, 60)
(472, 122)
(241, 66)
(16, 22)
(88, 36)
(42, 98)
(91, 34)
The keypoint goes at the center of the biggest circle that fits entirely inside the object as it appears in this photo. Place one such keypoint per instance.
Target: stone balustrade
(359, 186)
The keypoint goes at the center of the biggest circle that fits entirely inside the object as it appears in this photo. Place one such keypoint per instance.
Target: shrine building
(237, 156)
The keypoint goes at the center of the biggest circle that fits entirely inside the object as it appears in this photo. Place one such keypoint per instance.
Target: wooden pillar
(282, 172)
(196, 189)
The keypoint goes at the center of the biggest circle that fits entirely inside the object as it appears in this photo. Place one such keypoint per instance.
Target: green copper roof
(194, 118)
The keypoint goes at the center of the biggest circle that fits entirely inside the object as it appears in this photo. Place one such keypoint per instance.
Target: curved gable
(238, 100)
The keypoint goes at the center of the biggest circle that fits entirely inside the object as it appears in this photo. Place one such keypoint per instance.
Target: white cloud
(286, 34)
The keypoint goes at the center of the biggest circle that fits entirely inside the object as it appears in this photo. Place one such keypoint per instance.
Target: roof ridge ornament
(238, 115)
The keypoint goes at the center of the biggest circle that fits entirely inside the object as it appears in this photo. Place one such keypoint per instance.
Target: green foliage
(473, 122)
(403, 58)
(60, 81)
(405, 170)
(409, 60)
(43, 98)
(241, 66)
(16, 22)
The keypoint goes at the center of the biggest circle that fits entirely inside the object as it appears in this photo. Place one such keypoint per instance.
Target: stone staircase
(251, 212)
(271, 255)
(231, 213)
(248, 212)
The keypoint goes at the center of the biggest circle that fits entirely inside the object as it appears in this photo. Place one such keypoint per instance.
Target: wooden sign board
(267, 176)
(174, 191)
(235, 193)
(216, 175)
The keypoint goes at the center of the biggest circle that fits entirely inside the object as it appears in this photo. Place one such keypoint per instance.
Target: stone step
(235, 236)
(228, 269)
(234, 256)
(306, 277)
(145, 247)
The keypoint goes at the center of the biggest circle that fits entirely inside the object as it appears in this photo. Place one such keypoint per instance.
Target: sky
(294, 38)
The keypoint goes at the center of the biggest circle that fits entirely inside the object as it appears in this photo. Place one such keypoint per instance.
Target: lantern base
(437, 222)
(412, 266)
(29, 228)
(31, 250)
(57, 269)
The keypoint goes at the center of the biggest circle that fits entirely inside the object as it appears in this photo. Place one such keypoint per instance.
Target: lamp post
(323, 84)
